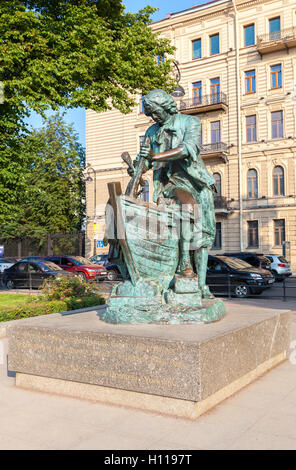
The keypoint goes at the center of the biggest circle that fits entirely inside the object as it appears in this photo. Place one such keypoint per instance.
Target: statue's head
(159, 105)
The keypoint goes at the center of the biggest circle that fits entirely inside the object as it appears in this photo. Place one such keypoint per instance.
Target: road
(276, 291)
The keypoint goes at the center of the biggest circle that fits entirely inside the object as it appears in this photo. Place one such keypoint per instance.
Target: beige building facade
(238, 69)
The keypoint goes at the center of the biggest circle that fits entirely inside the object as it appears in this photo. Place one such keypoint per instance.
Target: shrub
(33, 310)
(59, 295)
(64, 287)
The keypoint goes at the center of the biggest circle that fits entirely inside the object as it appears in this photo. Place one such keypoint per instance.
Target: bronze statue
(164, 276)
(179, 174)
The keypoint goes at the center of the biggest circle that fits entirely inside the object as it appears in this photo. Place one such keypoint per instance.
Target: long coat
(187, 173)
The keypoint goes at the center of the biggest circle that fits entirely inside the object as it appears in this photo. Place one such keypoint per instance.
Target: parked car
(31, 273)
(244, 279)
(112, 269)
(280, 267)
(80, 266)
(254, 259)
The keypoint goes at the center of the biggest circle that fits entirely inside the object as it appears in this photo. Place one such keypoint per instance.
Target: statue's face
(157, 113)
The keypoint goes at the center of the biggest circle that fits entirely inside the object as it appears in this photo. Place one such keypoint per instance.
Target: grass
(14, 300)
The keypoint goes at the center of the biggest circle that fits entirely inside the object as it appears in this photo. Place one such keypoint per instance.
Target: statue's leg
(187, 203)
(184, 244)
(201, 263)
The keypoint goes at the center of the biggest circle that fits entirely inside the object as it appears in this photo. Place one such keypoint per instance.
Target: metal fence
(52, 244)
(280, 290)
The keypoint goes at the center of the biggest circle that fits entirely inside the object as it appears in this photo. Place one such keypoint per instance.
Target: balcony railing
(217, 149)
(220, 203)
(276, 40)
(203, 104)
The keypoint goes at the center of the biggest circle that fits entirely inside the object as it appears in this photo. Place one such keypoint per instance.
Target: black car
(112, 269)
(241, 278)
(31, 274)
(254, 259)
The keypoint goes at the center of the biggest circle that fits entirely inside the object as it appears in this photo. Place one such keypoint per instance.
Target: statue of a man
(180, 174)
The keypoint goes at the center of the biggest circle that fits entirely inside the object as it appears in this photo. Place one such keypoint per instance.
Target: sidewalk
(261, 416)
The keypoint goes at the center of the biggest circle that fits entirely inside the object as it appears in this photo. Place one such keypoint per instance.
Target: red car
(80, 266)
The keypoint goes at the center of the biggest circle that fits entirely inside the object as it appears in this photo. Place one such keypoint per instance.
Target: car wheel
(277, 278)
(10, 284)
(241, 290)
(112, 275)
(82, 276)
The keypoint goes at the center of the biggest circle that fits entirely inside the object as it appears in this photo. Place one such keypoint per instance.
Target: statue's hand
(145, 152)
(130, 172)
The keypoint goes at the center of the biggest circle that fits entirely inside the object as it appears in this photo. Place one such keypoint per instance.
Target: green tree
(71, 53)
(51, 192)
(87, 53)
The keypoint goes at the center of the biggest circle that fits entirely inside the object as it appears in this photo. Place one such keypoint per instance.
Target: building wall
(109, 134)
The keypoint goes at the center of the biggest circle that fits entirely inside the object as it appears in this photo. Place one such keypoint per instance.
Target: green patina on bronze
(163, 246)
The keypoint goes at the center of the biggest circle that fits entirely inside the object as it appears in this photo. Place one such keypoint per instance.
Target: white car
(6, 263)
(279, 267)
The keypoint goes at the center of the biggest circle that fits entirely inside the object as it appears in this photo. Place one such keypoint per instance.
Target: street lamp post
(179, 91)
(88, 179)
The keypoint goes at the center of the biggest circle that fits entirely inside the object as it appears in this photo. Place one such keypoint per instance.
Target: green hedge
(41, 307)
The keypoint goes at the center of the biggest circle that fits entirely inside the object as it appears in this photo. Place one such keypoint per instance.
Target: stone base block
(143, 401)
(181, 370)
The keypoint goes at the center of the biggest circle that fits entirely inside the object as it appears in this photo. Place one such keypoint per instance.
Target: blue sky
(77, 116)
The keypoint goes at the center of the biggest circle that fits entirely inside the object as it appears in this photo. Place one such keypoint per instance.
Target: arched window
(217, 178)
(145, 192)
(252, 184)
(278, 181)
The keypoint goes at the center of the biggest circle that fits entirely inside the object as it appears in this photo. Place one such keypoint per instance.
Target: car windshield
(235, 263)
(283, 260)
(80, 261)
(49, 266)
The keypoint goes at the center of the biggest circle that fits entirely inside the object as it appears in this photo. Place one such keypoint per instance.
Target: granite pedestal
(182, 370)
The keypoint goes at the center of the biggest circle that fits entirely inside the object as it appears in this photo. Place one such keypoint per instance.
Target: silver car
(279, 267)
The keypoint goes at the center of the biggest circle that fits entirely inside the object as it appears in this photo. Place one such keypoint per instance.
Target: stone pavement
(261, 416)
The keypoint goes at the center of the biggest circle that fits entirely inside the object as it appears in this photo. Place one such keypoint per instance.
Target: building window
(197, 92)
(249, 33)
(252, 184)
(196, 49)
(145, 191)
(215, 90)
(279, 231)
(217, 245)
(251, 128)
(250, 82)
(275, 28)
(253, 233)
(217, 178)
(215, 132)
(278, 181)
(277, 127)
(214, 44)
(276, 76)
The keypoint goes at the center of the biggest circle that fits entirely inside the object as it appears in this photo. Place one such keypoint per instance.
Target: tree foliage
(71, 53)
(51, 186)
(87, 53)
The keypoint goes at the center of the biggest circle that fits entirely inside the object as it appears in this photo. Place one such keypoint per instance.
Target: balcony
(221, 206)
(276, 41)
(218, 149)
(205, 104)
